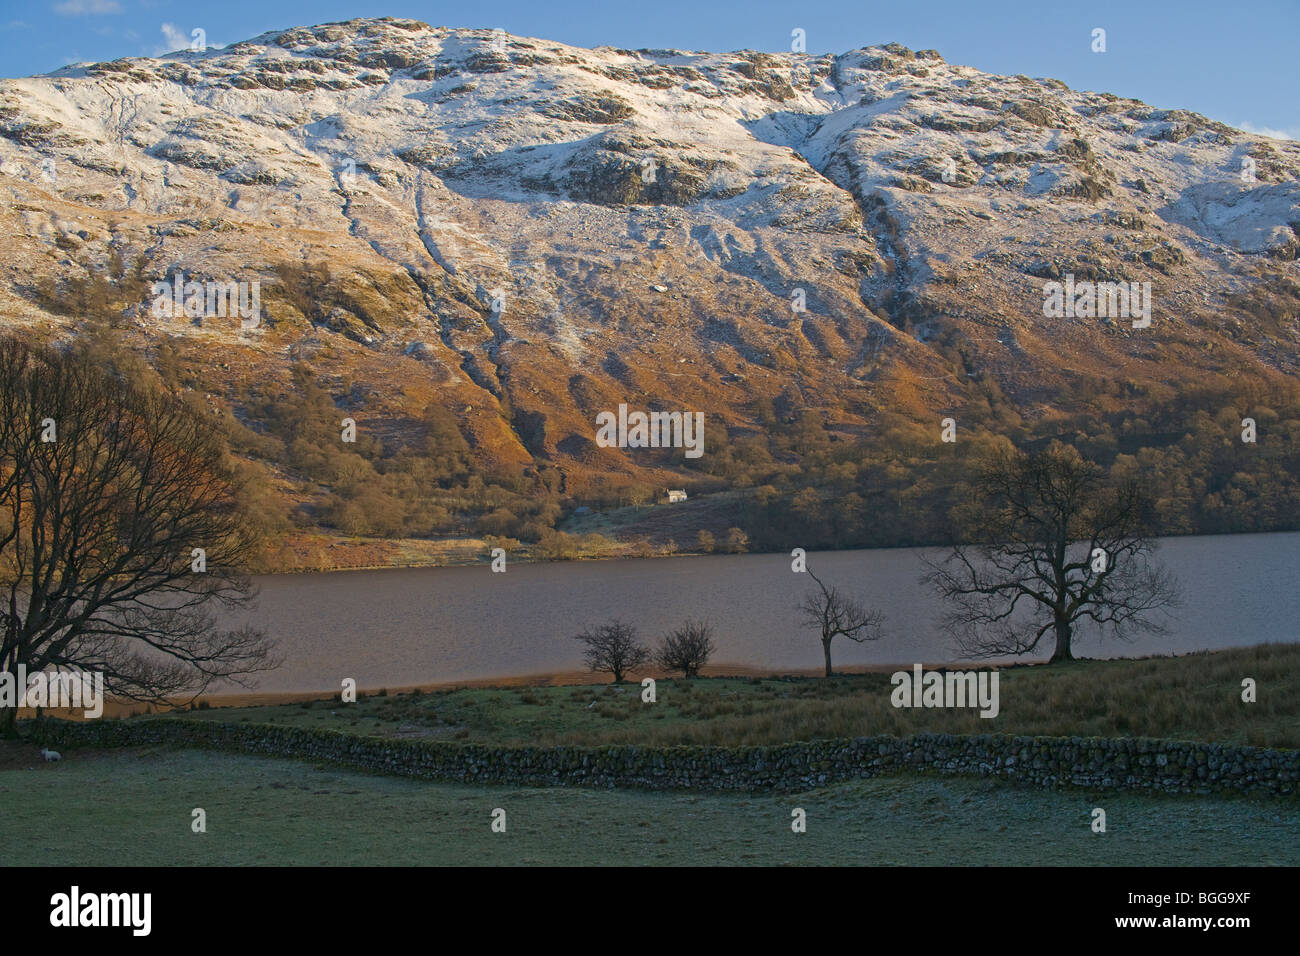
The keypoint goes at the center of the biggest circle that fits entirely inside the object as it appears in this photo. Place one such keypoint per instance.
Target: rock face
(556, 229)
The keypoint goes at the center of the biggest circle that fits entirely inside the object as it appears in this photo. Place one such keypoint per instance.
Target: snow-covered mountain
(529, 233)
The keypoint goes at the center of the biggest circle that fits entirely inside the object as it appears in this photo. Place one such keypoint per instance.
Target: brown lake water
(427, 625)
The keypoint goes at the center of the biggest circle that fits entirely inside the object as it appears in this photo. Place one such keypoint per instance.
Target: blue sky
(1236, 62)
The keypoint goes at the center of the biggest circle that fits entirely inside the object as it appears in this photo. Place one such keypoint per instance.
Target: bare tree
(1063, 545)
(111, 496)
(686, 648)
(613, 648)
(834, 614)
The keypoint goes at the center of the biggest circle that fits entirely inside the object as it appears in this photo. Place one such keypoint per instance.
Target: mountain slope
(642, 222)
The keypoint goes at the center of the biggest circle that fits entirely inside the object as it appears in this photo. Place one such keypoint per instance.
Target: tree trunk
(826, 649)
(9, 665)
(1062, 652)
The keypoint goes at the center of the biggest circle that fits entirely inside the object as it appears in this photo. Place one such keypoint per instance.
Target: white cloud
(77, 8)
(174, 38)
(1291, 133)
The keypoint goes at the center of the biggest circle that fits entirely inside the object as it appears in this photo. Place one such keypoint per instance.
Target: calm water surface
(415, 626)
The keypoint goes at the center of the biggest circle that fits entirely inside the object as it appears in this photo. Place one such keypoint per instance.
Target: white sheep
(51, 755)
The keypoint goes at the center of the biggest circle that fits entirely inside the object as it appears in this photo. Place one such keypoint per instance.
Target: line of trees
(895, 486)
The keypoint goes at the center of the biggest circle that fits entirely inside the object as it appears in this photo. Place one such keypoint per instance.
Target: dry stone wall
(1096, 762)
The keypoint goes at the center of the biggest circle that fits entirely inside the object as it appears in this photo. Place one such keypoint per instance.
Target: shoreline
(528, 558)
(566, 678)
(569, 678)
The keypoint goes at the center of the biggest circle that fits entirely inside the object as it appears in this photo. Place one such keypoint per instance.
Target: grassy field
(133, 807)
(1196, 697)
